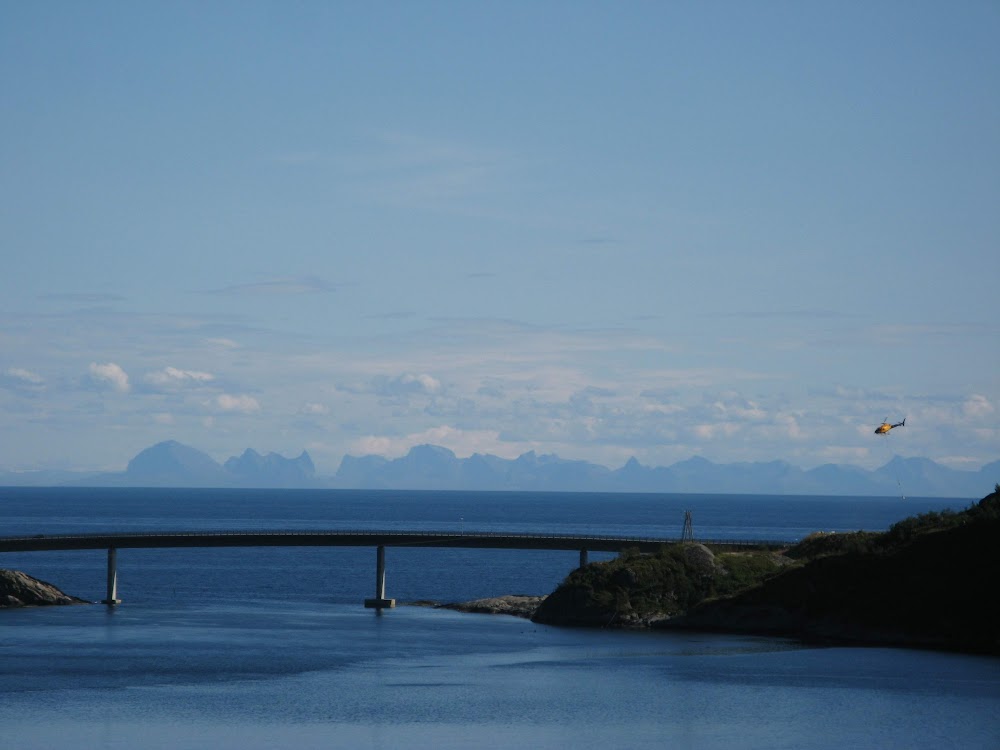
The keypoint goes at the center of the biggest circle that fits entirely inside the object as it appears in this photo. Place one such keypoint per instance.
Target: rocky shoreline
(18, 589)
(925, 583)
(517, 605)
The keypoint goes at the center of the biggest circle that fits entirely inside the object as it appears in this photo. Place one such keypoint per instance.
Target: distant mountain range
(432, 467)
(173, 464)
(429, 467)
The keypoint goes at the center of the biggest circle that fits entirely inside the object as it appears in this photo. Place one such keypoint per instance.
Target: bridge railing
(39, 541)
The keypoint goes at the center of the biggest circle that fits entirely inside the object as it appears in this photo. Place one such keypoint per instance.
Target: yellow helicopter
(883, 429)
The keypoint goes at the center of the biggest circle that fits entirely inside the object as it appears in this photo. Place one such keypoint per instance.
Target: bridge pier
(380, 602)
(583, 558)
(112, 598)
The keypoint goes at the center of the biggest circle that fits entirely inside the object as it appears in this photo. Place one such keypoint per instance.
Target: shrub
(743, 570)
(822, 544)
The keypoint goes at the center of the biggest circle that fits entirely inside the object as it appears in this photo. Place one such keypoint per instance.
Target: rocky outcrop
(18, 589)
(513, 604)
(636, 591)
(928, 582)
(933, 592)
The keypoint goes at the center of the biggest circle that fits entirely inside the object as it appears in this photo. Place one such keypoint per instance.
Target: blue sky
(746, 231)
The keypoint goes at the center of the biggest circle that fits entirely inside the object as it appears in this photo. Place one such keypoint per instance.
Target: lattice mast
(687, 534)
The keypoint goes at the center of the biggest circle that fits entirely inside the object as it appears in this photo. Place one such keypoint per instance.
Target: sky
(743, 231)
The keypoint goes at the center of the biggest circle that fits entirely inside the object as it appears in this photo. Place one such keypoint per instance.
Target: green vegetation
(822, 544)
(987, 509)
(745, 569)
(635, 587)
(927, 581)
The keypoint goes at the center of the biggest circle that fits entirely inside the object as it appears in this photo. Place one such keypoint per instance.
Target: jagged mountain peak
(430, 467)
(426, 450)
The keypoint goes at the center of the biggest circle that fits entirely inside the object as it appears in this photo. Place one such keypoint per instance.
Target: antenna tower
(687, 535)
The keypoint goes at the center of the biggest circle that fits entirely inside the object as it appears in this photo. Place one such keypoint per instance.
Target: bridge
(112, 542)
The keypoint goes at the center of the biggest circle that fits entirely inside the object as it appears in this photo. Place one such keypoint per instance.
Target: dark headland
(927, 582)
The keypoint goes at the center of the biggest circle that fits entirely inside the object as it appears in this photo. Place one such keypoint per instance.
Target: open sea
(271, 647)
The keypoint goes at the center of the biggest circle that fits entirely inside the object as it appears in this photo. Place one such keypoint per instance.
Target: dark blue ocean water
(262, 648)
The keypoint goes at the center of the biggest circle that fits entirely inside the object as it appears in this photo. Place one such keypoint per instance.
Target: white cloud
(26, 376)
(977, 406)
(372, 445)
(314, 409)
(171, 377)
(406, 384)
(839, 454)
(733, 406)
(986, 434)
(110, 374)
(19, 379)
(223, 343)
(662, 410)
(962, 463)
(713, 431)
(790, 425)
(242, 403)
(463, 443)
(499, 387)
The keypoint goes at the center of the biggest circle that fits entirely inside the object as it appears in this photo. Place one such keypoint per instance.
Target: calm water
(263, 648)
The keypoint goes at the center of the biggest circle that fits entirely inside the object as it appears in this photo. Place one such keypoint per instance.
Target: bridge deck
(362, 538)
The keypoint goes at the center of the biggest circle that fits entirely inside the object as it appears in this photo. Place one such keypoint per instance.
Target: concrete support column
(112, 597)
(380, 602)
(583, 557)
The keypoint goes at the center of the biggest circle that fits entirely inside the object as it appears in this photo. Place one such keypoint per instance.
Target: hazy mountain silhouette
(271, 470)
(429, 467)
(173, 464)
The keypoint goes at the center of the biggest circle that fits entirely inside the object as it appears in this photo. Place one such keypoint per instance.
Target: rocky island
(927, 582)
(18, 589)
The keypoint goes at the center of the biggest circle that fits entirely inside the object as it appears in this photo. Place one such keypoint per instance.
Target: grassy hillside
(928, 581)
(637, 589)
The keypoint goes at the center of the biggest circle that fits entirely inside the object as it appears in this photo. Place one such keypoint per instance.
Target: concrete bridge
(378, 539)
